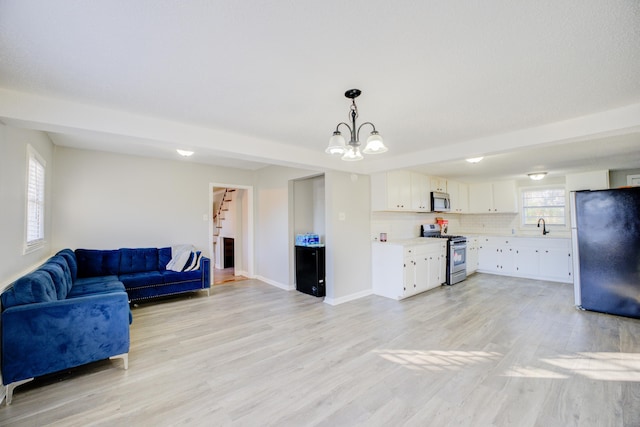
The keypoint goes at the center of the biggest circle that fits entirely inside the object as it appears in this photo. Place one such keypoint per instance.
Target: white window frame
(35, 200)
(538, 188)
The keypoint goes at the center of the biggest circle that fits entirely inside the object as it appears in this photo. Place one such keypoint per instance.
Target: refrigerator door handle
(577, 294)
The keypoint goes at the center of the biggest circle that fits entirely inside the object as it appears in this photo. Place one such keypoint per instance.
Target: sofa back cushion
(72, 263)
(59, 272)
(96, 262)
(138, 260)
(164, 256)
(31, 288)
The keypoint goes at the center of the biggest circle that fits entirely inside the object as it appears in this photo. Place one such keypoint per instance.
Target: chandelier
(351, 151)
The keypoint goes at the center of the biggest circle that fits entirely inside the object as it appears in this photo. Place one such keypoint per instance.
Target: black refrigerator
(310, 270)
(606, 250)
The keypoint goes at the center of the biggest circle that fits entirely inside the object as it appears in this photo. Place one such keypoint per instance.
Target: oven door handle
(459, 246)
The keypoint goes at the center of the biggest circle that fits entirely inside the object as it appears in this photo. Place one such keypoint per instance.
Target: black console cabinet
(310, 270)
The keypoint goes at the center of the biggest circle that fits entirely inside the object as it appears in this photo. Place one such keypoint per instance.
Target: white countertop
(412, 241)
(432, 241)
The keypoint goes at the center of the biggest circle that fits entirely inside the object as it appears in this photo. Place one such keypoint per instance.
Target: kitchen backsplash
(405, 225)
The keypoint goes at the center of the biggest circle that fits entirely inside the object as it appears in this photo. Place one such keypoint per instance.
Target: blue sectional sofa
(143, 271)
(74, 309)
(51, 321)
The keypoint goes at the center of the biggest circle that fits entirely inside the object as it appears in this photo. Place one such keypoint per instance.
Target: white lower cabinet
(527, 261)
(402, 270)
(472, 255)
(556, 265)
(528, 257)
(496, 255)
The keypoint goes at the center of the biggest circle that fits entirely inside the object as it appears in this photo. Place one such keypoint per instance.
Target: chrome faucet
(544, 227)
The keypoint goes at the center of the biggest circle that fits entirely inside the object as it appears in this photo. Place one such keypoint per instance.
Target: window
(35, 200)
(547, 203)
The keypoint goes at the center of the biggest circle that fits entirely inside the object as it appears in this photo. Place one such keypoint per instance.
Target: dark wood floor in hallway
(490, 351)
(225, 275)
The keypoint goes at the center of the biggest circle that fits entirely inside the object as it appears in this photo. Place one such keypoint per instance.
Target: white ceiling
(550, 85)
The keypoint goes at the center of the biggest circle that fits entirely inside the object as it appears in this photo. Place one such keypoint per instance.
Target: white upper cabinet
(481, 197)
(391, 191)
(493, 197)
(505, 197)
(420, 193)
(400, 191)
(459, 196)
(438, 184)
(595, 180)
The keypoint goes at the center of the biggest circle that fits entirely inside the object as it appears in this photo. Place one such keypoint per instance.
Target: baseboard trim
(241, 273)
(276, 284)
(347, 298)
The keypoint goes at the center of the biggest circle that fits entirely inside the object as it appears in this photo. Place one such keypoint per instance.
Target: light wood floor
(490, 351)
(224, 275)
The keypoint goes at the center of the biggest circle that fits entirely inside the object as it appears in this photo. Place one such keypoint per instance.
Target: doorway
(230, 232)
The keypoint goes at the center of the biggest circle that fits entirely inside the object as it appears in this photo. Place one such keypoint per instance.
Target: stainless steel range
(456, 252)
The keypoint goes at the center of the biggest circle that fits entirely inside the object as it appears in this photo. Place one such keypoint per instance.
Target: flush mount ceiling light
(184, 153)
(537, 176)
(351, 151)
(474, 159)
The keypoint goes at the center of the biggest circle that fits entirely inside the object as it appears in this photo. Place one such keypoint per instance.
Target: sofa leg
(8, 390)
(124, 357)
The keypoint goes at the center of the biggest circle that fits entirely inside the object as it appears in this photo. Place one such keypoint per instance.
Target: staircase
(218, 217)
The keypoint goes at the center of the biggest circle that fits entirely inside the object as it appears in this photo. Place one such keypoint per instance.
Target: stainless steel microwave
(440, 202)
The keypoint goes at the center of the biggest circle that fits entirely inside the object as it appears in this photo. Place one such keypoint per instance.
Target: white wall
(105, 200)
(274, 237)
(13, 180)
(348, 245)
(309, 208)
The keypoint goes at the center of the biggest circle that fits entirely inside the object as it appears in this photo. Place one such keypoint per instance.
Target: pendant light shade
(375, 145)
(337, 144)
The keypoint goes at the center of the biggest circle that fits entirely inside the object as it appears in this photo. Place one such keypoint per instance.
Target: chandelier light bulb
(352, 154)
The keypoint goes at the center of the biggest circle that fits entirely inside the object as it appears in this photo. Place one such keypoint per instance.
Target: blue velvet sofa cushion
(98, 279)
(72, 263)
(134, 280)
(164, 256)
(95, 262)
(138, 260)
(67, 280)
(97, 287)
(180, 276)
(60, 281)
(32, 288)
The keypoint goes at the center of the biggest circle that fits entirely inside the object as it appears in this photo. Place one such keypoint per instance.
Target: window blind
(35, 201)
